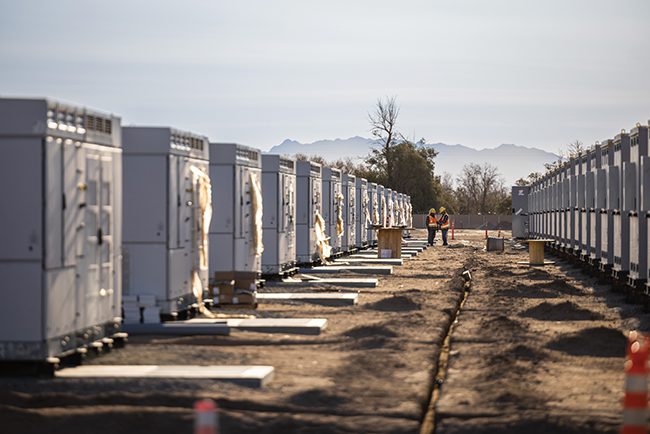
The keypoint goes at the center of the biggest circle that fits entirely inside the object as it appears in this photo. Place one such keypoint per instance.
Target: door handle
(100, 239)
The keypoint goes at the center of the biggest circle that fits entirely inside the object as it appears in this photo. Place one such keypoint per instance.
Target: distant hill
(513, 161)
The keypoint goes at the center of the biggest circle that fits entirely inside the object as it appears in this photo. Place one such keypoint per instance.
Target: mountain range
(513, 161)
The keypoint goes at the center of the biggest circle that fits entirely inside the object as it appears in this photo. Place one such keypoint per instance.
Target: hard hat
(442, 209)
(432, 211)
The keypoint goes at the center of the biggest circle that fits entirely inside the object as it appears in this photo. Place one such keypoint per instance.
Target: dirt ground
(533, 350)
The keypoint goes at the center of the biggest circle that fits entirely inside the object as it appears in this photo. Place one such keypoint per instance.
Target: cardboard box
(238, 298)
(240, 279)
(245, 297)
(222, 289)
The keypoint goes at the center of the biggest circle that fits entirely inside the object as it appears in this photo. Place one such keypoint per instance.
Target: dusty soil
(534, 350)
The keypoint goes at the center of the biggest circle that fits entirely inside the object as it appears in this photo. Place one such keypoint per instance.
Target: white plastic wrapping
(204, 197)
(256, 205)
(339, 215)
(322, 241)
(375, 210)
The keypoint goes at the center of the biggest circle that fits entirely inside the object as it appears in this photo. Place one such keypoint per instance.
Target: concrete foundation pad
(335, 281)
(372, 256)
(374, 260)
(405, 253)
(352, 269)
(298, 326)
(178, 328)
(254, 376)
(321, 298)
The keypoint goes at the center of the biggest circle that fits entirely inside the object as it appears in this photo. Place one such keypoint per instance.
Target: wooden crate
(389, 239)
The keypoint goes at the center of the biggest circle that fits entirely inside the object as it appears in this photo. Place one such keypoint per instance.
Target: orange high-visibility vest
(432, 221)
(444, 221)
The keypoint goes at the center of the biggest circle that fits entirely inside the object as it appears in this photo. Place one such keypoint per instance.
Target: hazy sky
(480, 73)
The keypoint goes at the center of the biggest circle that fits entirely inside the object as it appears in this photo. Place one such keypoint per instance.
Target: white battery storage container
(565, 207)
(397, 207)
(167, 209)
(349, 189)
(555, 192)
(520, 211)
(375, 211)
(311, 243)
(593, 201)
(621, 207)
(362, 215)
(390, 208)
(332, 207)
(607, 191)
(634, 202)
(279, 218)
(575, 168)
(382, 206)
(60, 255)
(236, 233)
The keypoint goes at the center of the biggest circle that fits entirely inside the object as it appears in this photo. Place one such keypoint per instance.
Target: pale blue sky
(476, 72)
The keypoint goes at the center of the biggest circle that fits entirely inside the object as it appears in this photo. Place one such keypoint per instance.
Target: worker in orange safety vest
(443, 223)
(432, 226)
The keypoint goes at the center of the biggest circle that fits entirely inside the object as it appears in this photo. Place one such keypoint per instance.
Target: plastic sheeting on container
(204, 196)
(375, 210)
(202, 181)
(384, 211)
(339, 215)
(322, 241)
(256, 205)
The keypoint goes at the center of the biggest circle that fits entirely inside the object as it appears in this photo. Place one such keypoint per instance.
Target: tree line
(409, 167)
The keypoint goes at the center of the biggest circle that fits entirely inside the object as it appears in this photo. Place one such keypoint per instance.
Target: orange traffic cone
(635, 402)
(206, 419)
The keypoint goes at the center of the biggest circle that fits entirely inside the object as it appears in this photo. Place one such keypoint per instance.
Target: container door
(186, 205)
(174, 200)
(88, 265)
(74, 187)
(106, 240)
(282, 203)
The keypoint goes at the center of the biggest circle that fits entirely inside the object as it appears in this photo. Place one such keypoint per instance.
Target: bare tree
(315, 158)
(576, 149)
(480, 189)
(532, 178)
(383, 126)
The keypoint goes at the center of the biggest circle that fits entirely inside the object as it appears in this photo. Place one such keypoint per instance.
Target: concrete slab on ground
(252, 376)
(357, 261)
(352, 269)
(405, 253)
(321, 298)
(297, 326)
(371, 256)
(336, 281)
(178, 328)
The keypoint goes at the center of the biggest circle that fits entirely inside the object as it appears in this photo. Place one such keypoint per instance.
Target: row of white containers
(597, 207)
(93, 210)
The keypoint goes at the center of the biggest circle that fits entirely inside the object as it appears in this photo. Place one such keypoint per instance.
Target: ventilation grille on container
(97, 123)
(286, 163)
(247, 154)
